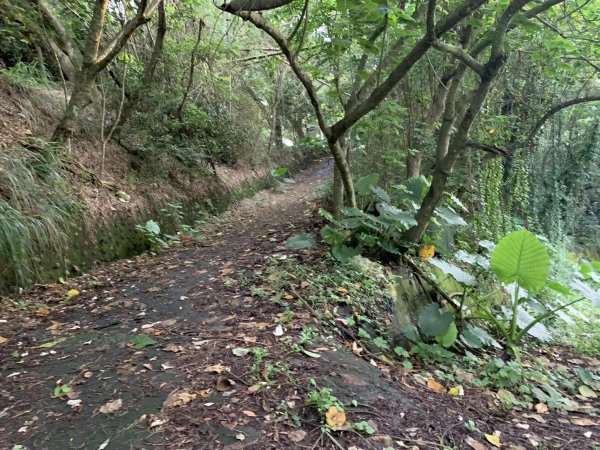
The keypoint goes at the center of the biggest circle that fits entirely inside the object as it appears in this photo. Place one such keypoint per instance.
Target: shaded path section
(85, 343)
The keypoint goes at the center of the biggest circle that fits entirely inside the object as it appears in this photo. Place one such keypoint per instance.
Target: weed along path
(218, 345)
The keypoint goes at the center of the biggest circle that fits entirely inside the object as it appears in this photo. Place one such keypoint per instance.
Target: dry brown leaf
(342, 290)
(535, 417)
(476, 445)
(173, 348)
(111, 406)
(288, 297)
(335, 418)
(254, 388)
(541, 408)
(224, 384)
(435, 386)
(217, 368)
(304, 284)
(3, 340)
(249, 413)
(42, 312)
(251, 339)
(297, 435)
(178, 399)
(88, 374)
(583, 422)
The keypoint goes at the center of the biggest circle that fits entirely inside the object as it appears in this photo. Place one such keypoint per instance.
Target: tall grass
(35, 212)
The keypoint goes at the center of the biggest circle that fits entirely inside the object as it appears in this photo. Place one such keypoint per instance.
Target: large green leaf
(456, 272)
(363, 185)
(520, 257)
(433, 322)
(300, 241)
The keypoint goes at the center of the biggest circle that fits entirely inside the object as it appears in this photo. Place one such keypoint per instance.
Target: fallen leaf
(240, 436)
(224, 384)
(249, 413)
(297, 435)
(240, 351)
(278, 330)
(174, 348)
(178, 399)
(535, 417)
(88, 374)
(356, 349)
(435, 386)
(456, 391)
(157, 422)
(335, 418)
(72, 293)
(142, 341)
(76, 403)
(217, 368)
(42, 312)
(476, 445)
(342, 290)
(250, 339)
(582, 422)
(111, 406)
(541, 408)
(426, 251)
(288, 297)
(104, 444)
(3, 340)
(493, 439)
(254, 388)
(587, 392)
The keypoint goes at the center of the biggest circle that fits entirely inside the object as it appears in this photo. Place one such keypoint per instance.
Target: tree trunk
(413, 164)
(186, 93)
(149, 69)
(81, 97)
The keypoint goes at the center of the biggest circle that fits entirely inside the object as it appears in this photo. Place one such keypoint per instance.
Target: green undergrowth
(355, 303)
(36, 208)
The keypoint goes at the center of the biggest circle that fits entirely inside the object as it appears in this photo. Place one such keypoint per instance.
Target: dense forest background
(496, 103)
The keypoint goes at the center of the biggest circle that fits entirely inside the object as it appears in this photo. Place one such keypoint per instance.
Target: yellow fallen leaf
(435, 386)
(3, 340)
(493, 439)
(72, 293)
(335, 418)
(288, 297)
(456, 391)
(342, 290)
(426, 251)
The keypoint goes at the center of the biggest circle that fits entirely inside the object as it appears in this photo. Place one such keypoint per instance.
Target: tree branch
(490, 149)
(557, 108)
(236, 6)
(461, 55)
(115, 45)
(262, 23)
(424, 44)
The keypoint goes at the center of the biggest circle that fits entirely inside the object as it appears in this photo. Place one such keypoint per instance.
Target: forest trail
(165, 352)
(178, 298)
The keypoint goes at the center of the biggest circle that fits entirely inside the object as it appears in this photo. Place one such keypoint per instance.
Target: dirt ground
(161, 352)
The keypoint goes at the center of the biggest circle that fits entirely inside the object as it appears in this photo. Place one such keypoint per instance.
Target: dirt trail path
(215, 365)
(178, 299)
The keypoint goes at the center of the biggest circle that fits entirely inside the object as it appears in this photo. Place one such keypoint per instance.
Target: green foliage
(521, 258)
(36, 211)
(322, 398)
